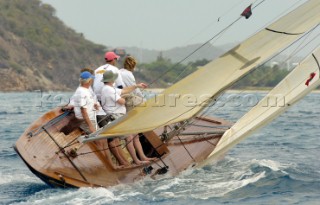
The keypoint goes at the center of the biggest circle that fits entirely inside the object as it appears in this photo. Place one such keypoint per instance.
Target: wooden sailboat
(171, 125)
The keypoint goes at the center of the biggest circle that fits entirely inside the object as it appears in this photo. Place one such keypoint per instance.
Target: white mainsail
(186, 98)
(302, 80)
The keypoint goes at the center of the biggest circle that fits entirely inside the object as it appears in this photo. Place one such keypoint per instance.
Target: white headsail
(186, 98)
(302, 80)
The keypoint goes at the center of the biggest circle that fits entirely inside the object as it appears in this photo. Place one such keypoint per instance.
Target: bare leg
(121, 153)
(114, 148)
(132, 151)
(98, 143)
(139, 149)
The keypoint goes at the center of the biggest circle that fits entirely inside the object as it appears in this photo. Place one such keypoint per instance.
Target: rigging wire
(218, 35)
(226, 28)
(192, 108)
(186, 149)
(98, 150)
(222, 31)
(278, 16)
(207, 112)
(301, 46)
(210, 99)
(212, 41)
(197, 49)
(201, 46)
(229, 10)
(211, 23)
(193, 52)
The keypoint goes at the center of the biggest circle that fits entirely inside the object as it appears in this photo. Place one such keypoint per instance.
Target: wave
(9, 178)
(8, 154)
(11, 113)
(230, 180)
(71, 196)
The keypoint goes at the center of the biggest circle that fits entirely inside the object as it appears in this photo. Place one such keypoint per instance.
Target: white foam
(234, 174)
(216, 181)
(167, 195)
(93, 196)
(220, 189)
(12, 177)
(173, 182)
(273, 165)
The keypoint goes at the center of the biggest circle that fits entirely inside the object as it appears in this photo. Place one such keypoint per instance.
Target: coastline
(250, 90)
(156, 90)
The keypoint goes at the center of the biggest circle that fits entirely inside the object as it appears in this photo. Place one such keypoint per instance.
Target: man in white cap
(111, 61)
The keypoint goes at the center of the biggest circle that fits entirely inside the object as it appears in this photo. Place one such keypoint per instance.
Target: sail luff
(185, 99)
(284, 95)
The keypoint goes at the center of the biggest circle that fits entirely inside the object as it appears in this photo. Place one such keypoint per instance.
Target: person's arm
(138, 92)
(117, 97)
(130, 80)
(121, 101)
(129, 89)
(86, 119)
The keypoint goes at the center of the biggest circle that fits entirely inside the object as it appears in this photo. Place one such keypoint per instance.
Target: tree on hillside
(264, 76)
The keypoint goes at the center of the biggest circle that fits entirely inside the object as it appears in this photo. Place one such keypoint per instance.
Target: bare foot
(141, 162)
(150, 159)
(124, 164)
(120, 166)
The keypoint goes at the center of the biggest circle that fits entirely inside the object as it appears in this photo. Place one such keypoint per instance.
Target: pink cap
(109, 56)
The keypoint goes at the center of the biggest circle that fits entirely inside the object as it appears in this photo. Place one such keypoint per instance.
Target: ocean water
(280, 164)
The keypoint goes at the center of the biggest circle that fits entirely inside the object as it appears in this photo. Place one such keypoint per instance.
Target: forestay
(302, 80)
(188, 97)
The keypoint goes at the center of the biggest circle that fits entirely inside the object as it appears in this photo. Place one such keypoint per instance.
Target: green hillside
(37, 51)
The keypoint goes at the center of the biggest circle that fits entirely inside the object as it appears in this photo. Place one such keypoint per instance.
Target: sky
(165, 24)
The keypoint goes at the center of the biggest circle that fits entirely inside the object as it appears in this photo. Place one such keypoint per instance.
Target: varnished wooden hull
(61, 161)
(48, 180)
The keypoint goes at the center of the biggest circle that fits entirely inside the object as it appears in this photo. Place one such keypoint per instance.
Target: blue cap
(86, 75)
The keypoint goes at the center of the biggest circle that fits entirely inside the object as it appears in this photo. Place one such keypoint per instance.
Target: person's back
(111, 60)
(136, 98)
(109, 98)
(97, 84)
(129, 80)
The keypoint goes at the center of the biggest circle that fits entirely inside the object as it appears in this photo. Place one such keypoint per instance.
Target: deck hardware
(148, 170)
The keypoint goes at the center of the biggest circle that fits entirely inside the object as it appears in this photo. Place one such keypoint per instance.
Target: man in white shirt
(84, 103)
(113, 104)
(111, 61)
